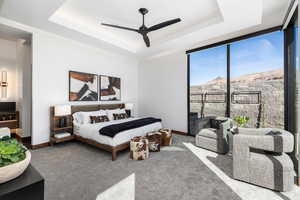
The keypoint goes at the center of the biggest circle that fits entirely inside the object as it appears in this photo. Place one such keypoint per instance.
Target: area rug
(76, 171)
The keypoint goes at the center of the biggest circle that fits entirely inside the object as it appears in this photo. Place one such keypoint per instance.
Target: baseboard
(179, 132)
(26, 139)
(37, 146)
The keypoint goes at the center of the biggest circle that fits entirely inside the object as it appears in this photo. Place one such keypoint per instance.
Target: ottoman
(154, 139)
(139, 148)
(166, 137)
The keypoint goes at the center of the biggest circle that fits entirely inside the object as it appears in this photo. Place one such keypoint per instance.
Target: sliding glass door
(207, 86)
(256, 80)
(292, 75)
(243, 78)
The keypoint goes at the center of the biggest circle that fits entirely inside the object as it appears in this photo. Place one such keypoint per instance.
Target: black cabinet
(28, 186)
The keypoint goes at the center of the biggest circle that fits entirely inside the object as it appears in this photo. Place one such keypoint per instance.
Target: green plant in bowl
(11, 151)
(241, 120)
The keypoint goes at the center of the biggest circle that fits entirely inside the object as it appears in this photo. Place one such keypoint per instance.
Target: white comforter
(91, 131)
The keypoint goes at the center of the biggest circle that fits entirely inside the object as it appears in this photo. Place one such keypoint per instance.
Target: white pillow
(77, 117)
(84, 117)
(122, 111)
(111, 112)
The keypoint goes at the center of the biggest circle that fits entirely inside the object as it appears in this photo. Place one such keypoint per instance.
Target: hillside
(261, 76)
(269, 83)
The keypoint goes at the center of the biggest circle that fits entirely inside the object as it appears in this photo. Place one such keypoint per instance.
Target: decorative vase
(12, 171)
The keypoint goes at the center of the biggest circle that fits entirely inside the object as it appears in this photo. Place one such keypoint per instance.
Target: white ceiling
(203, 21)
(86, 18)
(10, 33)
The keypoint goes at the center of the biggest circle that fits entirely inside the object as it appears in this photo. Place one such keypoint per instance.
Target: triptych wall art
(92, 87)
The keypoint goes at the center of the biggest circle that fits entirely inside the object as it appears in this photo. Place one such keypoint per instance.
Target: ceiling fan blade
(147, 40)
(163, 24)
(120, 27)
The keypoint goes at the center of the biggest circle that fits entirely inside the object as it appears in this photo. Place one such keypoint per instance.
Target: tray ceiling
(203, 21)
(86, 18)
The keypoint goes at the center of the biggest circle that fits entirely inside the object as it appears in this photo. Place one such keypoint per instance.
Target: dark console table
(28, 186)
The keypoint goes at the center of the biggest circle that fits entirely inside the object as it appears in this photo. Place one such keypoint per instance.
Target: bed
(89, 133)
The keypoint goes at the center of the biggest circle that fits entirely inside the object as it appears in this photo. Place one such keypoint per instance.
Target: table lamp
(128, 108)
(62, 111)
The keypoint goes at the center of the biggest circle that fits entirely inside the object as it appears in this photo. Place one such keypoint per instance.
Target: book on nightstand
(62, 135)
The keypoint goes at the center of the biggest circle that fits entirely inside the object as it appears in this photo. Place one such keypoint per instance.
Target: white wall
(24, 62)
(163, 90)
(53, 57)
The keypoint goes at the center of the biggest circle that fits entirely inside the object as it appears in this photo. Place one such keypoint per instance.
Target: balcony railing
(242, 97)
(205, 100)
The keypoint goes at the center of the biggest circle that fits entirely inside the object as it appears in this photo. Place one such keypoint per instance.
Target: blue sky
(259, 54)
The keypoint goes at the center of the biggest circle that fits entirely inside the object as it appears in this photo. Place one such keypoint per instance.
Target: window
(207, 85)
(256, 80)
(291, 74)
(254, 68)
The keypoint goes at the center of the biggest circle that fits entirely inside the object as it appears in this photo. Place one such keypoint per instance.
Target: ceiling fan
(143, 30)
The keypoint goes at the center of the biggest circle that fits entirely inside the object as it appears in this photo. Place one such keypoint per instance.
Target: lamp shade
(62, 110)
(3, 84)
(129, 106)
(4, 76)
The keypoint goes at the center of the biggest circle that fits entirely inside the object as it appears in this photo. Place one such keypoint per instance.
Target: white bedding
(91, 131)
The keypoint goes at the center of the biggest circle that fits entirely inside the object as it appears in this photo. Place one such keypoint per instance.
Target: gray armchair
(215, 136)
(259, 157)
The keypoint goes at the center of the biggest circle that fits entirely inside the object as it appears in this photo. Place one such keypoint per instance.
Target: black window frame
(228, 43)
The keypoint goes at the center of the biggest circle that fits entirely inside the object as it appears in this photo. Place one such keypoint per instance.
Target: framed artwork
(83, 86)
(110, 88)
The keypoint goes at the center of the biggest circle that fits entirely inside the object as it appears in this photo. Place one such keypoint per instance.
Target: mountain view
(260, 76)
(269, 83)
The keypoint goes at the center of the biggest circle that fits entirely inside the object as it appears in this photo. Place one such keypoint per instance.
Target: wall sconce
(3, 84)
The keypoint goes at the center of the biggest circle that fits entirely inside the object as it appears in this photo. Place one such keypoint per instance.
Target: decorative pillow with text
(120, 116)
(99, 119)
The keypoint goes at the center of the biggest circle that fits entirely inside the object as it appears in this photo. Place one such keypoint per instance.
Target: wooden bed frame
(87, 108)
(113, 150)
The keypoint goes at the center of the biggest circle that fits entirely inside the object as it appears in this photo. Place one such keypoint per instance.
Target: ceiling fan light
(143, 30)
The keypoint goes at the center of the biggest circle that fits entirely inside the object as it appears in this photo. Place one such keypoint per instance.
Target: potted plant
(14, 159)
(241, 120)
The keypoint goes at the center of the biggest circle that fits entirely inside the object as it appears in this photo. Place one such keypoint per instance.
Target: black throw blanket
(114, 129)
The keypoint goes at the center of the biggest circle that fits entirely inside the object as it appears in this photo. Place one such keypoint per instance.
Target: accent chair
(259, 157)
(215, 136)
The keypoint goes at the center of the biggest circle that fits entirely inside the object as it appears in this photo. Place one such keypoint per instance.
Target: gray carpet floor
(76, 171)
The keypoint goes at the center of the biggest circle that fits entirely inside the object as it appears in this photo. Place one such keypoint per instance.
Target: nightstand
(60, 134)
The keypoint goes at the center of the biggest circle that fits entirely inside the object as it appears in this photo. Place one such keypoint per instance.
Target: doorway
(16, 82)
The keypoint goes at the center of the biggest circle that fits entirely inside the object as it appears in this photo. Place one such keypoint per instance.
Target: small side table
(30, 185)
(56, 129)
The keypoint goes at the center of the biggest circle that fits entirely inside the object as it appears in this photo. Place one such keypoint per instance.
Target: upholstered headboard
(78, 108)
